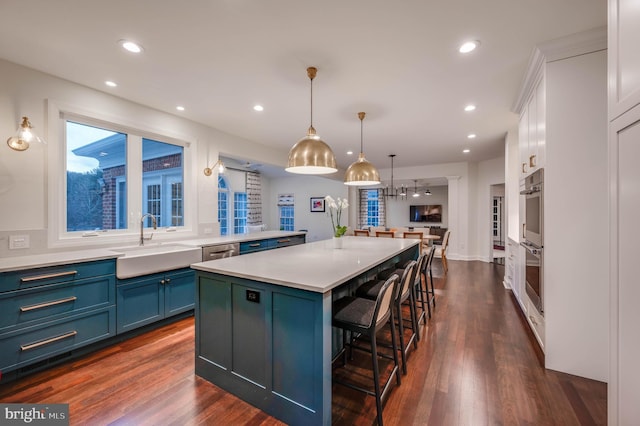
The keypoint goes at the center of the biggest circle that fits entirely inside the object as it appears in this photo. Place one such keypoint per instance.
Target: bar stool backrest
(406, 280)
(385, 299)
(430, 254)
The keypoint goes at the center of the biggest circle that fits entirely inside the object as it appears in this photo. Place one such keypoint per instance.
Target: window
(223, 205)
(239, 212)
(286, 211)
(104, 175)
(98, 172)
(286, 218)
(373, 208)
(162, 182)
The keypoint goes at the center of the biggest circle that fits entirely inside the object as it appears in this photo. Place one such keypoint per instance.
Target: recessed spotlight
(468, 46)
(471, 136)
(258, 108)
(349, 152)
(466, 151)
(469, 107)
(111, 83)
(131, 46)
(180, 108)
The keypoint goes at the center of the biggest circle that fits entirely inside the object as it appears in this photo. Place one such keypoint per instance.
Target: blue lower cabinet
(150, 298)
(270, 243)
(26, 346)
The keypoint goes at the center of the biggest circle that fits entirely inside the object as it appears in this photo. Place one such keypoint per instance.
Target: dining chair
(360, 232)
(385, 234)
(441, 251)
(414, 235)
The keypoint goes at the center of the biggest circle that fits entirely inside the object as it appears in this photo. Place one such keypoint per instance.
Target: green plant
(337, 206)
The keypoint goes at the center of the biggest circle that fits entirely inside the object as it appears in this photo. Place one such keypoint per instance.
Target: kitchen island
(263, 320)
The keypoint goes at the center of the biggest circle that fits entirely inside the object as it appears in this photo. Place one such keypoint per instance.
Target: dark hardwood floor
(476, 364)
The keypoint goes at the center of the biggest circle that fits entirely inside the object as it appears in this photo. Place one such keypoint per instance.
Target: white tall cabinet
(624, 206)
(563, 129)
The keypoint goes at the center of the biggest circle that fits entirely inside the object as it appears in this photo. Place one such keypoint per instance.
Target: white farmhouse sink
(153, 258)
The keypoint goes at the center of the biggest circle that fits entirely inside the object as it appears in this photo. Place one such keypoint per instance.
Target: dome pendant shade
(311, 155)
(361, 172)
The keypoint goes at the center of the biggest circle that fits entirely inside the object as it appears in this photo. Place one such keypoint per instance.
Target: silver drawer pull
(254, 245)
(47, 276)
(47, 304)
(46, 342)
(284, 241)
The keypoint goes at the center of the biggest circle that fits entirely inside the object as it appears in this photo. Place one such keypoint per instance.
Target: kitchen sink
(152, 258)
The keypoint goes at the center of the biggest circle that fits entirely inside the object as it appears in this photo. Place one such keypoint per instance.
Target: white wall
(303, 188)
(490, 172)
(398, 209)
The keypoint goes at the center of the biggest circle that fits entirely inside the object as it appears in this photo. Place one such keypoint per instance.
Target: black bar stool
(404, 293)
(366, 317)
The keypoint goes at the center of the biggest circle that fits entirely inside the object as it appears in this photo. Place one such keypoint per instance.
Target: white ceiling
(395, 60)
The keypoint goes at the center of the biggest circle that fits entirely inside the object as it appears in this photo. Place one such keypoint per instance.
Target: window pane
(162, 180)
(96, 178)
(372, 208)
(286, 218)
(239, 212)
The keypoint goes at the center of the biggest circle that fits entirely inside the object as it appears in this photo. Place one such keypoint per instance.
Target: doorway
(497, 227)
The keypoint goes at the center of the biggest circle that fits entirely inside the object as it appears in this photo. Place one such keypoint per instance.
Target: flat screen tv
(426, 213)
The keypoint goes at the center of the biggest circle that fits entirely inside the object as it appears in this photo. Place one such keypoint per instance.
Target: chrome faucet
(155, 226)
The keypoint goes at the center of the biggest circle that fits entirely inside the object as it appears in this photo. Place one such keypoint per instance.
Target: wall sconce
(24, 135)
(219, 165)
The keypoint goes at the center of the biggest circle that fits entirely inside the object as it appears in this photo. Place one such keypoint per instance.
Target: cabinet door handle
(47, 341)
(533, 320)
(47, 304)
(254, 245)
(532, 160)
(47, 276)
(524, 165)
(284, 241)
(162, 282)
(167, 281)
(524, 230)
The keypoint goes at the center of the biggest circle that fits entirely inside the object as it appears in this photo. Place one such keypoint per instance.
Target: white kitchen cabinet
(624, 61)
(531, 130)
(624, 386)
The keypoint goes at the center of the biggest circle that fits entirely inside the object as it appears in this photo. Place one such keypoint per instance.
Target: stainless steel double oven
(533, 241)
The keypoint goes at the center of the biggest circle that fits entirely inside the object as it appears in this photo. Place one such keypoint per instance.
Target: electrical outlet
(18, 242)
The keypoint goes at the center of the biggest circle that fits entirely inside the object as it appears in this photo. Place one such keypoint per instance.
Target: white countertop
(316, 266)
(87, 255)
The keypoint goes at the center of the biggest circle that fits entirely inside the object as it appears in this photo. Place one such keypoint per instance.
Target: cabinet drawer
(28, 278)
(288, 241)
(251, 246)
(25, 307)
(36, 343)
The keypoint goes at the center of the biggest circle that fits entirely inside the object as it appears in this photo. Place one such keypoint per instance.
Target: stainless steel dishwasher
(220, 251)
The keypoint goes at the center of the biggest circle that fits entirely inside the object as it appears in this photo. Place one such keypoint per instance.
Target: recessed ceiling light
(110, 83)
(258, 108)
(131, 46)
(471, 135)
(349, 152)
(469, 107)
(180, 108)
(466, 151)
(468, 46)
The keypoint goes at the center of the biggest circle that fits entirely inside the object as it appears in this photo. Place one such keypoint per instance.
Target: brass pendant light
(311, 155)
(361, 172)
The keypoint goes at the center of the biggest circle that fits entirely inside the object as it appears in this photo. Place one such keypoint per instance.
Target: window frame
(58, 236)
